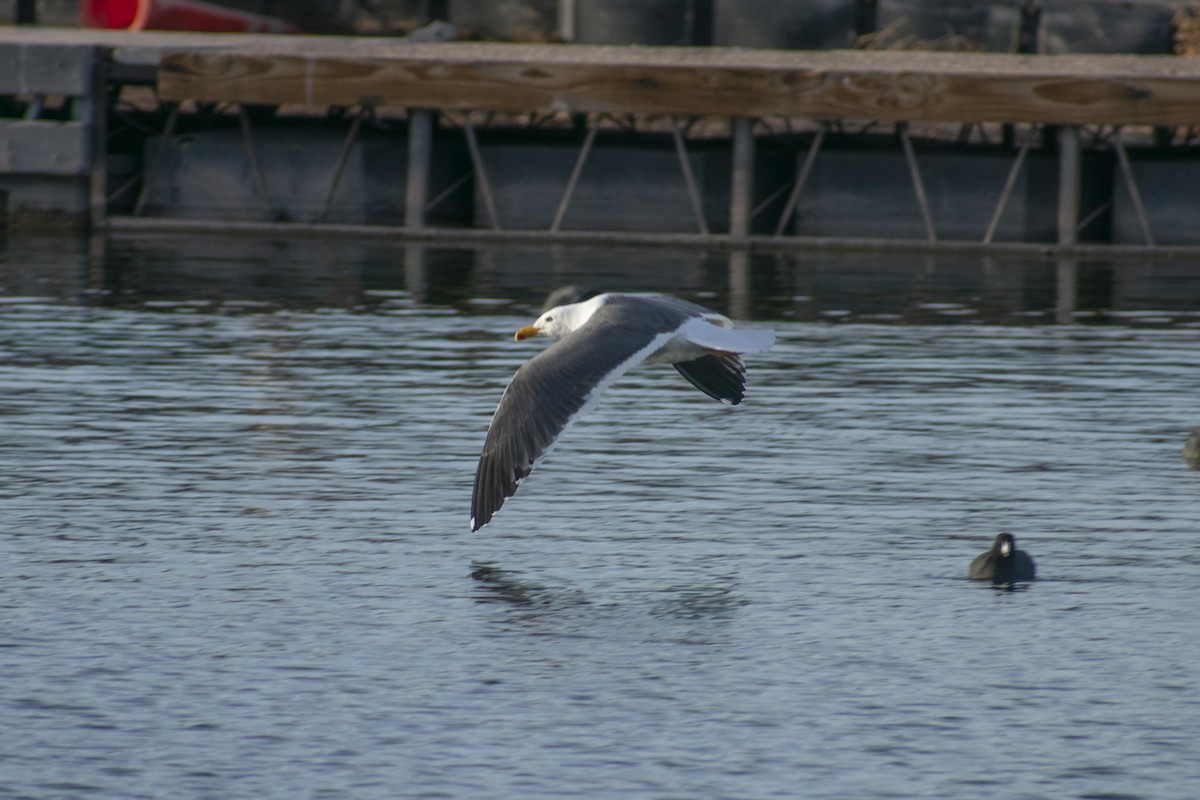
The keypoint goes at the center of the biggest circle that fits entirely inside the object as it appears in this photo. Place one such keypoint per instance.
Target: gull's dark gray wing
(551, 390)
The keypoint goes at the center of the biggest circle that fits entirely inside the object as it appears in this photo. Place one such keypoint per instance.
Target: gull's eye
(549, 319)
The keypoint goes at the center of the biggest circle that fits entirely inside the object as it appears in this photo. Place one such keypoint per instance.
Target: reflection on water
(234, 558)
(241, 273)
(507, 586)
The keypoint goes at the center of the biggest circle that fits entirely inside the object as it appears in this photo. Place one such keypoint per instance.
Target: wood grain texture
(893, 85)
(953, 87)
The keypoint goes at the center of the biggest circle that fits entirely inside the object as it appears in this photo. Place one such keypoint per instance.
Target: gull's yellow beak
(525, 333)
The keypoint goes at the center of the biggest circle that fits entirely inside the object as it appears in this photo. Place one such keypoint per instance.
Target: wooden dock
(1068, 106)
(884, 85)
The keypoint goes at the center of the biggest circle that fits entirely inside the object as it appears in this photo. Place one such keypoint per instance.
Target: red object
(177, 15)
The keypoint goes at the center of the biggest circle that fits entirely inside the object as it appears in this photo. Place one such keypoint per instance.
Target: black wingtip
(482, 511)
(494, 484)
(720, 377)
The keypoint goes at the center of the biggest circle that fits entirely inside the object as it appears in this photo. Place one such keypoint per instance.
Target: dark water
(234, 556)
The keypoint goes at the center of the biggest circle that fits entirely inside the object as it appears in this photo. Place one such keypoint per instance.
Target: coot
(1004, 563)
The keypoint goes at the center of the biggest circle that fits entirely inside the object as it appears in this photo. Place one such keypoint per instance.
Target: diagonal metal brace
(260, 177)
(1006, 192)
(485, 188)
(918, 185)
(793, 200)
(1135, 196)
(343, 157)
(588, 141)
(688, 178)
(151, 171)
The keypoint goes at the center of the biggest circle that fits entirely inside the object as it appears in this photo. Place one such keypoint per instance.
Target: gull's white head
(561, 320)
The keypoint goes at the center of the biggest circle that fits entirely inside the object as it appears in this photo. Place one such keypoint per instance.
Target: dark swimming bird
(1004, 563)
(599, 341)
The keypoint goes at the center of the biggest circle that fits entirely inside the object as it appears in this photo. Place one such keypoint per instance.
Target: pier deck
(889, 85)
(1056, 96)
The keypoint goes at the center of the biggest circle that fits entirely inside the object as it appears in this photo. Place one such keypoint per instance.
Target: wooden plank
(38, 68)
(897, 85)
(953, 87)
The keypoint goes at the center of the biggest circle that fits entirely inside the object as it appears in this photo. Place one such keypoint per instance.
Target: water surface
(235, 561)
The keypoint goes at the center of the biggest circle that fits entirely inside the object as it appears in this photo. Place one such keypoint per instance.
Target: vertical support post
(1068, 184)
(420, 153)
(566, 20)
(26, 12)
(436, 9)
(1031, 20)
(866, 17)
(1028, 37)
(97, 113)
(702, 22)
(741, 194)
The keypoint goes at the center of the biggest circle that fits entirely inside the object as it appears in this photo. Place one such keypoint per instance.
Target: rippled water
(235, 562)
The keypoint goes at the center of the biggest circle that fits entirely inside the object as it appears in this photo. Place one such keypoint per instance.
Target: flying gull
(600, 339)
